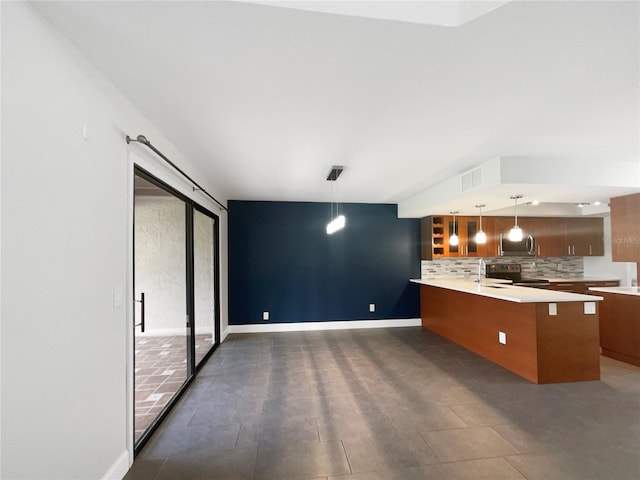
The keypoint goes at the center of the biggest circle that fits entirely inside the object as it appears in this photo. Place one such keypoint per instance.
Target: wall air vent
(471, 179)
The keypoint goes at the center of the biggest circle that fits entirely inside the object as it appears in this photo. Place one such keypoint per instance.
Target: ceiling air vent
(471, 179)
(335, 172)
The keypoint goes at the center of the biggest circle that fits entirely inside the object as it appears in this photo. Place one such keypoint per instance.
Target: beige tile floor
(160, 370)
(384, 404)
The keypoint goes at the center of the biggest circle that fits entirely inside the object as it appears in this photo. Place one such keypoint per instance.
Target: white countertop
(582, 279)
(620, 290)
(507, 292)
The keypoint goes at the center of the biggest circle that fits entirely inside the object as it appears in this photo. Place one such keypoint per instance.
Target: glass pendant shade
(515, 234)
(336, 224)
(481, 237)
(453, 238)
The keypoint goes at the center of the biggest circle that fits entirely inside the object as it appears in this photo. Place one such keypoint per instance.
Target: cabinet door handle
(568, 249)
(538, 250)
(573, 249)
(590, 253)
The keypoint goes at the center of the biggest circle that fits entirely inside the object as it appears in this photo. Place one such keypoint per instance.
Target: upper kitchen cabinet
(466, 229)
(501, 226)
(625, 228)
(555, 236)
(586, 236)
(550, 235)
(436, 237)
(432, 238)
(564, 237)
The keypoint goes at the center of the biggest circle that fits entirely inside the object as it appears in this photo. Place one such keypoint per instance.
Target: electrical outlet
(265, 315)
(502, 338)
(372, 307)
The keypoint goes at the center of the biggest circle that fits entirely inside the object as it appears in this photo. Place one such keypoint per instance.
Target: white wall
(66, 256)
(605, 267)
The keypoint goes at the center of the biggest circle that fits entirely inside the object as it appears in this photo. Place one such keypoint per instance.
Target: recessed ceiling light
(596, 203)
(535, 202)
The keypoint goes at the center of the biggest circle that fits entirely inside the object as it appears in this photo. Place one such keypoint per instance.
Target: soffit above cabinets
(559, 185)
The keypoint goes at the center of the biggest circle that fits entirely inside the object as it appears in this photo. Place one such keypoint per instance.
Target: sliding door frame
(192, 368)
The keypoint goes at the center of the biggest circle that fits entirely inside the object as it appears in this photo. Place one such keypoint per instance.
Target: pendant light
(339, 221)
(453, 239)
(515, 234)
(481, 237)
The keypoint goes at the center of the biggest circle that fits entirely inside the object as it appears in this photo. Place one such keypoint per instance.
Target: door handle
(141, 302)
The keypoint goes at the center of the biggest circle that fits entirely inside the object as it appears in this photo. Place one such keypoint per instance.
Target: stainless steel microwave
(524, 247)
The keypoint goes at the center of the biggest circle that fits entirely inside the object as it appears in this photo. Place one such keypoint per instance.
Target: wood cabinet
(563, 237)
(585, 236)
(539, 347)
(555, 236)
(550, 235)
(466, 229)
(575, 286)
(433, 238)
(625, 228)
(620, 327)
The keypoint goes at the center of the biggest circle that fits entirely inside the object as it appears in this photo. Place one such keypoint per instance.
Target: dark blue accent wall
(281, 260)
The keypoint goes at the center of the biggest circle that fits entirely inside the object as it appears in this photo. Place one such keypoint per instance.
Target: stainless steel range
(513, 272)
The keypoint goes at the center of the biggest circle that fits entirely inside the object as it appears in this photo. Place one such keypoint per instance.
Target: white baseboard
(311, 326)
(224, 334)
(119, 469)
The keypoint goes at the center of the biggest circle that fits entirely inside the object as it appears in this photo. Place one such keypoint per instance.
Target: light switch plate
(589, 308)
(553, 309)
(502, 338)
(372, 307)
(265, 315)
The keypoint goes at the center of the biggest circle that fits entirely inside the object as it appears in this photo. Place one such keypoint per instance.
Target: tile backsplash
(555, 267)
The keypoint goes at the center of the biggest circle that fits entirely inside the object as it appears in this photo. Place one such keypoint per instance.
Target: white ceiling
(264, 99)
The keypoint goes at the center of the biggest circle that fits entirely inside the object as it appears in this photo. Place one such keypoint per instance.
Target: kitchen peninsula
(542, 335)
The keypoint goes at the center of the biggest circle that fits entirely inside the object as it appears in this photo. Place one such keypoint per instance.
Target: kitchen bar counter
(510, 293)
(618, 290)
(581, 279)
(541, 335)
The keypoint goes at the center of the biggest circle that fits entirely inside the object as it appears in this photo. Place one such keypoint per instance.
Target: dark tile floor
(384, 404)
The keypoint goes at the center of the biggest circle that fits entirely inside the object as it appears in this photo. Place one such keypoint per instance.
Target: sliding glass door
(161, 302)
(204, 283)
(176, 297)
